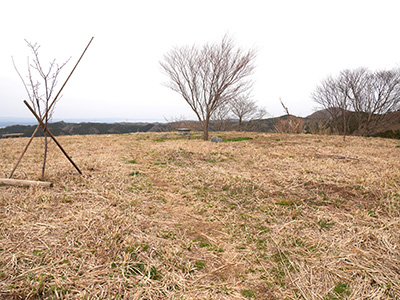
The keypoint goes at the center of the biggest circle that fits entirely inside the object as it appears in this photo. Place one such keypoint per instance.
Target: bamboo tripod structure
(45, 130)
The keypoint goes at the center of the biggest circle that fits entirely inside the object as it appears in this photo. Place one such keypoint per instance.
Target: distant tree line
(360, 101)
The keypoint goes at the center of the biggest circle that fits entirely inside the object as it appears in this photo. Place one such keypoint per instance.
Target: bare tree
(243, 108)
(254, 123)
(355, 84)
(378, 95)
(40, 83)
(209, 76)
(366, 96)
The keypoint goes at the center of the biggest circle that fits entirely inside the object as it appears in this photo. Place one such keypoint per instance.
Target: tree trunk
(344, 125)
(239, 124)
(205, 128)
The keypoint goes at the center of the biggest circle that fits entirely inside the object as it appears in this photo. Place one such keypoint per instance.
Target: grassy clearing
(272, 217)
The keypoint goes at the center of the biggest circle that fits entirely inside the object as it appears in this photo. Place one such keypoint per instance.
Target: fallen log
(21, 182)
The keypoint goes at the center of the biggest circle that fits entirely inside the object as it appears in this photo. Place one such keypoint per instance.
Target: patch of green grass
(204, 244)
(154, 273)
(200, 264)
(341, 288)
(286, 202)
(166, 234)
(241, 247)
(159, 140)
(37, 252)
(136, 248)
(325, 224)
(54, 290)
(140, 269)
(66, 199)
(132, 161)
(239, 139)
(340, 291)
(248, 293)
(134, 173)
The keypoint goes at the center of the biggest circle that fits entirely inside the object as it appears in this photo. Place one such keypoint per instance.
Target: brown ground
(276, 217)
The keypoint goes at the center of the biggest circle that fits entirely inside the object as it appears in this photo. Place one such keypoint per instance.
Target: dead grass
(276, 217)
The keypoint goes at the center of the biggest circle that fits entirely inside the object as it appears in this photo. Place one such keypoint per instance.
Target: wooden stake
(20, 182)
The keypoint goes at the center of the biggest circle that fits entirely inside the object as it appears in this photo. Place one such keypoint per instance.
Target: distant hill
(391, 127)
(62, 128)
(319, 114)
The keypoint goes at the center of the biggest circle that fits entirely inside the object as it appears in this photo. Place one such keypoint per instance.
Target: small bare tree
(40, 84)
(209, 76)
(245, 109)
(255, 122)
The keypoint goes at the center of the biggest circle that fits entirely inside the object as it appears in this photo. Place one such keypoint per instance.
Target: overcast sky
(299, 43)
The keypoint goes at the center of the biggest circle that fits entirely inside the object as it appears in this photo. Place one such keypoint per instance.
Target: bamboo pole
(44, 128)
(20, 182)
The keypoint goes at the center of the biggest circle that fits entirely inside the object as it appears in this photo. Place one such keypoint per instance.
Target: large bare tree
(209, 76)
(369, 95)
(378, 96)
(40, 84)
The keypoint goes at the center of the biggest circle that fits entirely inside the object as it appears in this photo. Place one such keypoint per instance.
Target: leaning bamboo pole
(45, 129)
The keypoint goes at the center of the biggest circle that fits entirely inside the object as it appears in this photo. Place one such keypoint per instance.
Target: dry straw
(275, 217)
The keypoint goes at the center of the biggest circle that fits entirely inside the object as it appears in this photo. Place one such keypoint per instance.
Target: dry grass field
(275, 217)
